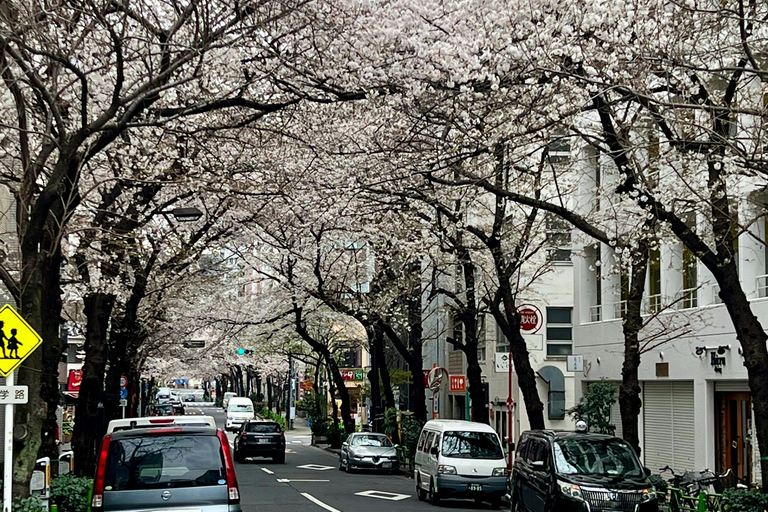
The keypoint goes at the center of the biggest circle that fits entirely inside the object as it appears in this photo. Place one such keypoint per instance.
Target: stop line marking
(391, 496)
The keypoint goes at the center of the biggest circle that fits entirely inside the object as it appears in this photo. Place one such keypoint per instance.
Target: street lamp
(189, 214)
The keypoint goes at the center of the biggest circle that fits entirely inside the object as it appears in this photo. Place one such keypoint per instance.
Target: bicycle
(695, 491)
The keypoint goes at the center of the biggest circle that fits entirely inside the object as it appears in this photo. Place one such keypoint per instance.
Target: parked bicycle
(695, 491)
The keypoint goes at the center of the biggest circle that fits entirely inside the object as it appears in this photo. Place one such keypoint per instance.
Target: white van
(225, 400)
(239, 409)
(460, 459)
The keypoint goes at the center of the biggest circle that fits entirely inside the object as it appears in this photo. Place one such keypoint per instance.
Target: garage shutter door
(668, 416)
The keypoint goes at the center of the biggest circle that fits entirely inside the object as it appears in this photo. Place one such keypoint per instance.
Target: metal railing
(688, 298)
(762, 285)
(619, 309)
(595, 313)
(652, 304)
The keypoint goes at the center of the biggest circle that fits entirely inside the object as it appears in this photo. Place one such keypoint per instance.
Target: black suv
(258, 438)
(578, 472)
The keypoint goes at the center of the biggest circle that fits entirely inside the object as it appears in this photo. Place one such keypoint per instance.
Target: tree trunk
(51, 334)
(269, 393)
(378, 341)
(88, 430)
(32, 414)
(629, 390)
(332, 390)
(469, 319)
(417, 392)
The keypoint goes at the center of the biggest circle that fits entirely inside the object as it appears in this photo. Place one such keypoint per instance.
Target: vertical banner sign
(17, 341)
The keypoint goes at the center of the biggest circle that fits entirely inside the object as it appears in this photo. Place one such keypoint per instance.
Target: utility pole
(375, 393)
(291, 390)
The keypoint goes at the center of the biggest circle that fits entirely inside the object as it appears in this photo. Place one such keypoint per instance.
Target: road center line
(268, 471)
(319, 503)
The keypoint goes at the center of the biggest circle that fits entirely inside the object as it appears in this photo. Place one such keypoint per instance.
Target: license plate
(475, 487)
(386, 465)
(263, 441)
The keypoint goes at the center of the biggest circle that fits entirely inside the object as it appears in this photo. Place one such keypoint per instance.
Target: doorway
(734, 429)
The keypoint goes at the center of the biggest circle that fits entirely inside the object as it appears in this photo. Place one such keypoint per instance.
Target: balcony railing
(619, 309)
(762, 286)
(652, 304)
(688, 298)
(595, 313)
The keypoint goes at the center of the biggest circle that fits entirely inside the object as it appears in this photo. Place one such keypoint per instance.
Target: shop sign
(458, 383)
(352, 374)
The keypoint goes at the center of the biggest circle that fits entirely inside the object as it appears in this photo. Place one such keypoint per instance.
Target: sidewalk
(300, 428)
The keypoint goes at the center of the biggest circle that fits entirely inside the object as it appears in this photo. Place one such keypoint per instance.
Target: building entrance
(734, 429)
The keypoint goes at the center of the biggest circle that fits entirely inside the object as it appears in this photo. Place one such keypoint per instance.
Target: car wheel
(279, 458)
(421, 494)
(341, 464)
(514, 503)
(434, 495)
(496, 503)
(350, 467)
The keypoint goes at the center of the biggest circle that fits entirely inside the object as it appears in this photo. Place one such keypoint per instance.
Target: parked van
(578, 472)
(239, 409)
(225, 400)
(460, 459)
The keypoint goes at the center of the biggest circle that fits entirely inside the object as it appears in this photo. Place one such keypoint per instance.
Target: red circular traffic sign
(530, 318)
(510, 404)
(123, 381)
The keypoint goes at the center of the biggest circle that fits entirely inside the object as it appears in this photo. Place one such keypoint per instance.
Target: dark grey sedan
(363, 450)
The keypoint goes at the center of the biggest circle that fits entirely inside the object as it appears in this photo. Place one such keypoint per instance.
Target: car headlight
(446, 470)
(648, 495)
(499, 472)
(569, 489)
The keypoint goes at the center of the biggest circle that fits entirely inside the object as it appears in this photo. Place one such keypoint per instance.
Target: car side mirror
(511, 446)
(538, 464)
(434, 450)
(647, 471)
(395, 446)
(345, 443)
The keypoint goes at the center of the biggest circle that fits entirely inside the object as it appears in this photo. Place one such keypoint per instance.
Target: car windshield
(240, 408)
(163, 409)
(160, 462)
(605, 457)
(263, 428)
(371, 441)
(471, 445)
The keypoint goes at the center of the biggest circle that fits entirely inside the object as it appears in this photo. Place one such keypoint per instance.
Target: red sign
(530, 318)
(352, 374)
(426, 377)
(458, 383)
(74, 380)
(307, 384)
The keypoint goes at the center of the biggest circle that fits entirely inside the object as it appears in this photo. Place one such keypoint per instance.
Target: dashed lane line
(319, 503)
(268, 471)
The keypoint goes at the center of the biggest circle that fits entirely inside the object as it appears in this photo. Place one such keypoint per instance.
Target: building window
(481, 338)
(559, 331)
(654, 281)
(457, 331)
(502, 344)
(558, 239)
(559, 148)
(690, 282)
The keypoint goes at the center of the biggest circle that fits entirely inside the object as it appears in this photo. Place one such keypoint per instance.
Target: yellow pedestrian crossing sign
(17, 340)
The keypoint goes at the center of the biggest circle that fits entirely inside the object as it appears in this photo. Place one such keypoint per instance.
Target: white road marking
(268, 471)
(316, 467)
(296, 442)
(287, 481)
(302, 437)
(319, 503)
(391, 496)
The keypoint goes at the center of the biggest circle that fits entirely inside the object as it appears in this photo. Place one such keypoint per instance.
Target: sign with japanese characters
(17, 340)
(352, 374)
(14, 395)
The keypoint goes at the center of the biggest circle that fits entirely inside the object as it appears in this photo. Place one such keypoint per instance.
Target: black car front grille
(612, 501)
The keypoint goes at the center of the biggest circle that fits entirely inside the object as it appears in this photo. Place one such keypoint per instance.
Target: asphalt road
(310, 479)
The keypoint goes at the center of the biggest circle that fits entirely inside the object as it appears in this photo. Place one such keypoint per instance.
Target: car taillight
(161, 420)
(233, 488)
(97, 502)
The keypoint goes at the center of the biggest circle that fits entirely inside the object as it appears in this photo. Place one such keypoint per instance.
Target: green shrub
(595, 407)
(741, 500)
(411, 429)
(269, 415)
(30, 504)
(70, 493)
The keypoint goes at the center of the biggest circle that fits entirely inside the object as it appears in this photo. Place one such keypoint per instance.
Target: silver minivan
(166, 468)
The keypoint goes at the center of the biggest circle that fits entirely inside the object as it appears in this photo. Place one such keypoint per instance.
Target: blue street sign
(123, 394)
